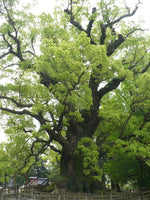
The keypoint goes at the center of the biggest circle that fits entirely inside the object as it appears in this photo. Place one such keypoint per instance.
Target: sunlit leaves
(89, 152)
(65, 93)
(71, 64)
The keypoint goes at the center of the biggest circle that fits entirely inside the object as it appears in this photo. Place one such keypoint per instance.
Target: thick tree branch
(111, 85)
(15, 38)
(4, 54)
(90, 24)
(19, 53)
(146, 119)
(72, 20)
(125, 124)
(11, 50)
(40, 151)
(30, 52)
(38, 116)
(55, 149)
(103, 33)
(22, 112)
(78, 26)
(10, 19)
(18, 104)
(127, 137)
(146, 68)
(44, 143)
(129, 14)
(114, 45)
(53, 136)
(93, 116)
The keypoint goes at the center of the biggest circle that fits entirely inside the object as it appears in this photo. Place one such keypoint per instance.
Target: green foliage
(88, 150)
(75, 88)
(126, 170)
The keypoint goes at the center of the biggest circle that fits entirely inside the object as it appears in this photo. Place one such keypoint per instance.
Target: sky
(48, 6)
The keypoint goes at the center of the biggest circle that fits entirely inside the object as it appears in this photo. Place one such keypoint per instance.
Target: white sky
(48, 6)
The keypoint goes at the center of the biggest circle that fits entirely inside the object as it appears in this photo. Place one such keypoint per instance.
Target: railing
(8, 194)
(31, 194)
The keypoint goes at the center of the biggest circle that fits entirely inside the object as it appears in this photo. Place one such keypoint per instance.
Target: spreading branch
(121, 39)
(17, 41)
(114, 45)
(129, 14)
(146, 119)
(10, 19)
(146, 68)
(111, 85)
(55, 149)
(78, 26)
(38, 116)
(90, 24)
(125, 124)
(18, 104)
(72, 20)
(4, 54)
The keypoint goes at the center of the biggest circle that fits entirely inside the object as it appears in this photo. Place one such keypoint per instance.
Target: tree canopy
(76, 83)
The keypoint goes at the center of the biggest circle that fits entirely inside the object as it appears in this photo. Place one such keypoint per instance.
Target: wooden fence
(29, 194)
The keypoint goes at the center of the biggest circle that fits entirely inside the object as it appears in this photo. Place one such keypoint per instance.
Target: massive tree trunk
(70, 171)
(72, 176)
(71, 163)
(71, 168)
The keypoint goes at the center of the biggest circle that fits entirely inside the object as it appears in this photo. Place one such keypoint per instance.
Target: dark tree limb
(114, 45)
(111, 85)
(40, 151)
(19, 53)
(4, 54)
(14, 37)
(44, 143)
(146, 68)
(146, 119)
(27, 131)
(38, 116)
(72, 20)
(55, 149)
(121, 39)
(90, 24)
(127, 137)
(78, 26)
(125, 124)
(129, 14)
(11, 50)
(18, 104)
(134, 30)
(10, 19)
(103, 33)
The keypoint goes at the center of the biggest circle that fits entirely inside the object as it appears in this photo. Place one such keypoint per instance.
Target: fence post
(59, 197)
(0, 195)
(110, 196)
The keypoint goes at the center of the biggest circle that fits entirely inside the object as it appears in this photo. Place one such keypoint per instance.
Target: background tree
(82, 89)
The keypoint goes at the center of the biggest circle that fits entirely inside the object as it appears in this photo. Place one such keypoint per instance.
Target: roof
(38, 181)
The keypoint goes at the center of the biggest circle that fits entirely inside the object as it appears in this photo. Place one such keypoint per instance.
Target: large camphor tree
(78, 84)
